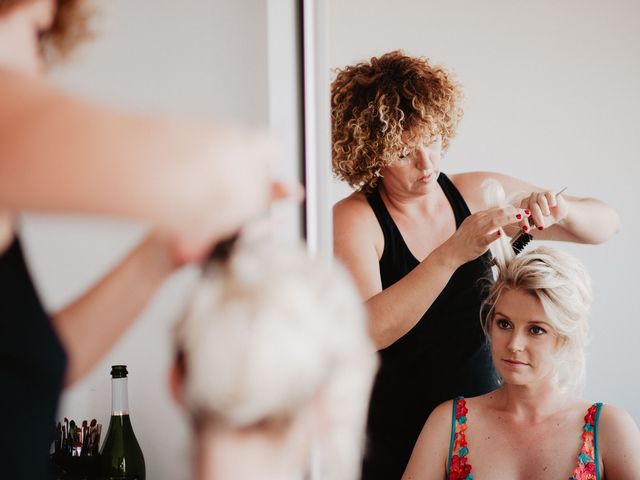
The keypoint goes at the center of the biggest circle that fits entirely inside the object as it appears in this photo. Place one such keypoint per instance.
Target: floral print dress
(459, 469)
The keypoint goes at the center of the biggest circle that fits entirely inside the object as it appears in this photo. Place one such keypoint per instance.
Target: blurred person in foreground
(59, 154)
(274, 361)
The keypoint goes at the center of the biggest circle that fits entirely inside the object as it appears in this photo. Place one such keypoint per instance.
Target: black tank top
(443, 356)
(32, 366)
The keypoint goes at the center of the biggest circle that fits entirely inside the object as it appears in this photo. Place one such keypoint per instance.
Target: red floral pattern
(459, 469)
(586, 469)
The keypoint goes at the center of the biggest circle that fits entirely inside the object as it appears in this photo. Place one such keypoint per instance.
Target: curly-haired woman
(416, 242)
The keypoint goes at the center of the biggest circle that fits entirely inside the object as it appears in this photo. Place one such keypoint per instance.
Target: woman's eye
(535, 330)
(502, 324)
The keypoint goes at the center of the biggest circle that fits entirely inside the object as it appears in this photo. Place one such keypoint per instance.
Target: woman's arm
(395, 310)
(618, 444)
(565, 217)
(58, 153)
(431, 452)
(90, 325)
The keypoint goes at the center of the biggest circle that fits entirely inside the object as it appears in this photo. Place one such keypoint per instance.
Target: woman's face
(20, 29)
(416, 171)
(523, 344)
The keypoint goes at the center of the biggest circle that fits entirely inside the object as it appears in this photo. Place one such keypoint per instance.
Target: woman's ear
(176, 378)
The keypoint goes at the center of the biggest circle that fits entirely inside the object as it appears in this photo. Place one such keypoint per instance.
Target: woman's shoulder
(353, 210)
(463, 180)
(443, 415)
(615, 421)
(618, 442)
(439, 422)
(444, 411)
(7, 230)
(475, 178)
(353, 200)
(469, 183)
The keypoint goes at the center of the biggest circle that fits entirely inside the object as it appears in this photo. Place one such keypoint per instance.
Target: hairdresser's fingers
(561, 210)
(551, 199)
(281, 190)
(491, 238)
(524, 225)
(538, 217)
(543, 203)
(526, 204)
(532, 200)
(188, 250)
(501, 217)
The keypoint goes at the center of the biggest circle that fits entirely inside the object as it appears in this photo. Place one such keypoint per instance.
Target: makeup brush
(522, 239)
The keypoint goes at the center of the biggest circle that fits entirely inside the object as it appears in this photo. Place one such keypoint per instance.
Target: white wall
(189, 58)
(552, 96)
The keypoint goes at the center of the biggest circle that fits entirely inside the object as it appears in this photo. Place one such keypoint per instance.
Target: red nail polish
(540, 228)
(525, 229)
(519, 217)
(498, 233)
(527, 212)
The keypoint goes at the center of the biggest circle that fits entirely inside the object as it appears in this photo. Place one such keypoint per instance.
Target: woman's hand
(546, 209)
(478, 231)
(232, 187)
(186, 249)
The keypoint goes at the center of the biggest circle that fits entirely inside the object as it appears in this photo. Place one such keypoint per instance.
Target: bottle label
(120, 413)
(119, 394)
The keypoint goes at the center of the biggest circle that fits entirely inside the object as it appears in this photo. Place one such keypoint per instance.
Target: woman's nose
(516, 343)
(423, 162)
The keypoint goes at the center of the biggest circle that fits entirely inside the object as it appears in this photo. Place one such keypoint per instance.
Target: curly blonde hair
(69, 27)
(373, 104)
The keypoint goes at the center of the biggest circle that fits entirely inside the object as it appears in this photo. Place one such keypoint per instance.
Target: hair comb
(522, 239)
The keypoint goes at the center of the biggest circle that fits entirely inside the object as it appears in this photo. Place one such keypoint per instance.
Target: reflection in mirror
(549, 99)
(207, 60)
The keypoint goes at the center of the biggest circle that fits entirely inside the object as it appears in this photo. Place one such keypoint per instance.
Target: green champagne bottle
(120, 457)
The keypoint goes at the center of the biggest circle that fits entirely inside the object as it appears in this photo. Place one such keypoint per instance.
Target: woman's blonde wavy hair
(561, 284)
(374, 103)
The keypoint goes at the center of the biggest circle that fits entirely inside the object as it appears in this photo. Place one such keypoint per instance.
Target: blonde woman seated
(534, 426)
(274, 358)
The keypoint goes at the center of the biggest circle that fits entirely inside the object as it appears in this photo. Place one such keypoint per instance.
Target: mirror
(550, 96)
(228, 62)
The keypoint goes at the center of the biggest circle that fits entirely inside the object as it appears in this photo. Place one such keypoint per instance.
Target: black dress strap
(458, 205)
(397, 260)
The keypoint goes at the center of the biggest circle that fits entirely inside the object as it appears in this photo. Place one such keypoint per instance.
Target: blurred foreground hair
(267, 331)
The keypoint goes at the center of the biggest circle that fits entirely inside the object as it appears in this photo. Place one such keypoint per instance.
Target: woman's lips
(426, 178)
(515, 363)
